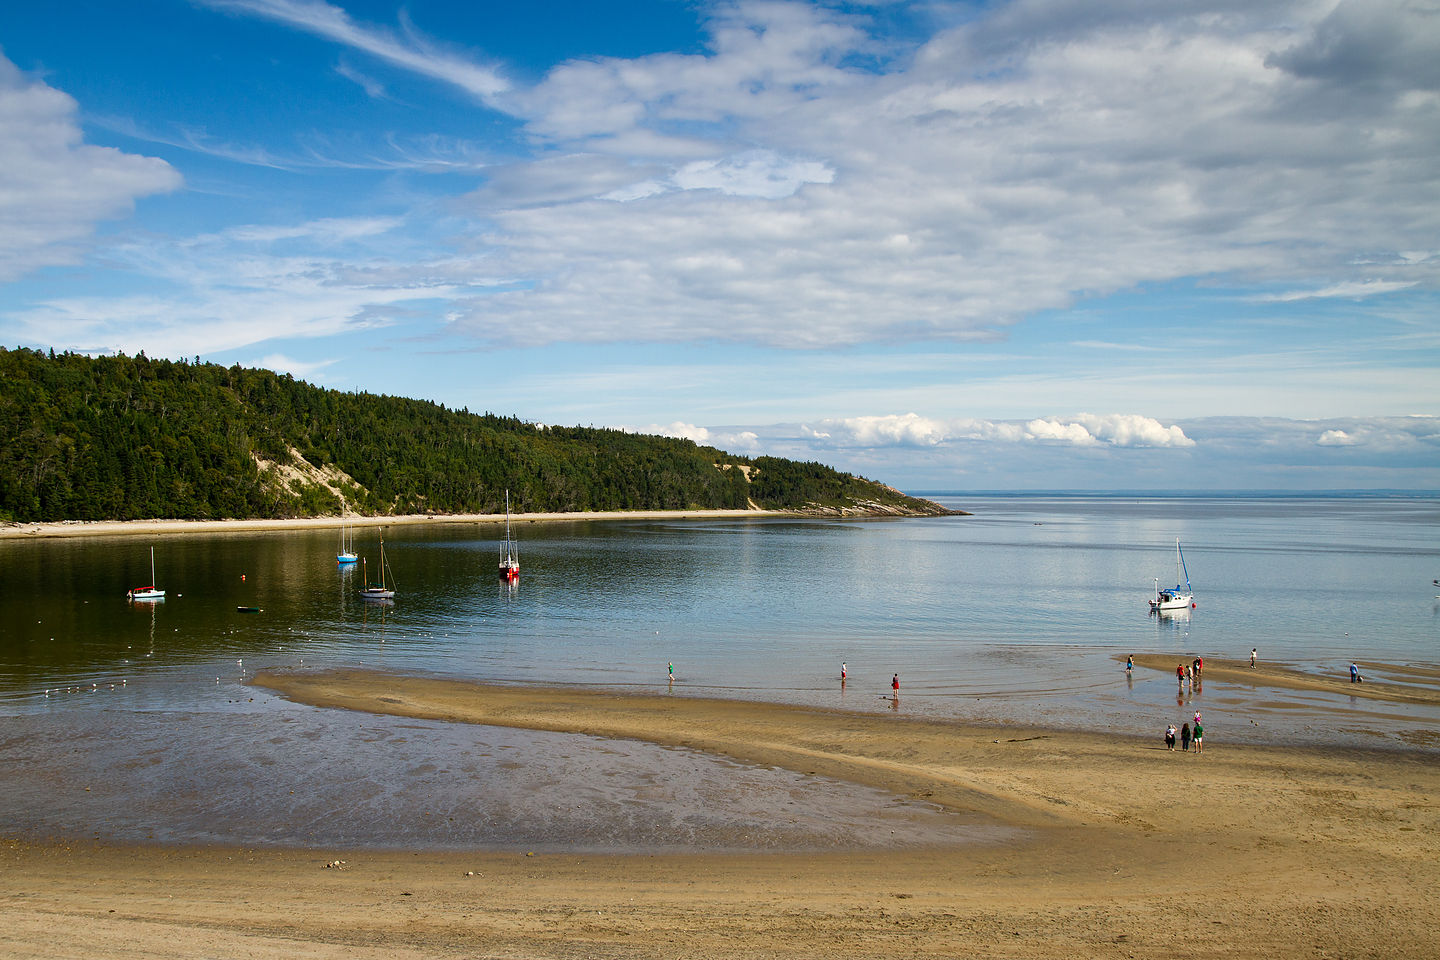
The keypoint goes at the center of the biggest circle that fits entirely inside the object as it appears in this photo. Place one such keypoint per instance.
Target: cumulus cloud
(731, 441)
(907, 431)
(1224, 453)
(1131, 430)
(54, 187)
(912, 430)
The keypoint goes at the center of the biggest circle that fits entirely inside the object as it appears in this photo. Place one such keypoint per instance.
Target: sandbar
(1117, 847)
(1421, 690)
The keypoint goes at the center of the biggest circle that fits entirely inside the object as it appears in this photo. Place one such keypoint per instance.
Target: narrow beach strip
(1425, 691)
(125, 528)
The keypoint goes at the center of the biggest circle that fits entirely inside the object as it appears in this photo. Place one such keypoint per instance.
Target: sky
(1028, 245)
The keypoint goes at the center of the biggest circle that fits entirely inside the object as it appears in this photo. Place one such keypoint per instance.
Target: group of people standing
(1187, 735)
(1188, 674)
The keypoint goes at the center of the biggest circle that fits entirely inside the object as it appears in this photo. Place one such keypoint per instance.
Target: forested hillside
(122, 438)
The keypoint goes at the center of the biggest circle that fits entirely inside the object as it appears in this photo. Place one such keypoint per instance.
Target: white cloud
(1227, 453)
(731, 441)
(250, 284)
(280, 363)
(374, 89)
(1130, 430)
(912, 430)
(802, 183)
(1039, 153)
(1335, 438)
(54, 187)
(1352, 290)
(410, 52)
(753, 174)
(906, 430)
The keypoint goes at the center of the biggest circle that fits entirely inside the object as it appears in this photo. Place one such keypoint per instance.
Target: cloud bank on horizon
(806, 217)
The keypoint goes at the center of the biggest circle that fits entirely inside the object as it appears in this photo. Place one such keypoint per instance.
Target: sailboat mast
(152, 566)
(1180, 559)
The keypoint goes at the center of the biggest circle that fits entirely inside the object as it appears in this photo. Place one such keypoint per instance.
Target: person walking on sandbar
(1252, 658)
(895, 684)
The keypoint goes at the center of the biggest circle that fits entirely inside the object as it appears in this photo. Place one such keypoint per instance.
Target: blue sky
(1090, 244)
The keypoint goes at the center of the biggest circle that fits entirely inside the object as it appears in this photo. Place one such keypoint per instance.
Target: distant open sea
(1013, 615)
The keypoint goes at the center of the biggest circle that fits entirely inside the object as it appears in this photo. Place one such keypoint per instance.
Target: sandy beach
(130, 528)
(1113, 847)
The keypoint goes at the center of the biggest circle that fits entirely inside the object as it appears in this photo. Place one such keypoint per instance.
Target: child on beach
(1355, 673)
(1252, 658)
(1185, 737)
(895, 684)
(1129, 664)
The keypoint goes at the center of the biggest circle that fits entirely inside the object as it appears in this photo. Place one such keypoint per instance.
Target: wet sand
(1119, 848)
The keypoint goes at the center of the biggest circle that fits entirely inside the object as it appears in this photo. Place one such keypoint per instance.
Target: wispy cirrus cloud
(249, 284)
(422, 154)
(408, 51)
(1350, 290)
(373, 88)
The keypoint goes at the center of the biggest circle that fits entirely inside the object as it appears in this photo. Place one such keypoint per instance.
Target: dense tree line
(118, 438)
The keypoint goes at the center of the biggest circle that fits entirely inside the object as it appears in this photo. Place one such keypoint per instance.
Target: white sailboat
(385, 589)
(1176, 597)
(509, 549)
(346, 553)
(147, 593)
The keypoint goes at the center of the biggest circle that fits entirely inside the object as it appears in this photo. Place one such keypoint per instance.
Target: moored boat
(509, 549)
(1176, 597)
(385, 589)
(346, 553)
(151, 592)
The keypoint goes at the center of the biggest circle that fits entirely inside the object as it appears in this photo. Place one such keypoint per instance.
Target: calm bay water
(1014, 615)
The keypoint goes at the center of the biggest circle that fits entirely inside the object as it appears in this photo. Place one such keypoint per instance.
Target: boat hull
(146, 593)
(1173, 602)
(375, 593)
